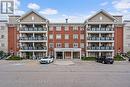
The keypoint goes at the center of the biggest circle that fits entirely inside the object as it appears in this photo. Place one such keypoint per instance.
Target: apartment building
(3, 35)
(126, 36)
(100, 34)
(33, 30)
(34, 37)
(66, 40)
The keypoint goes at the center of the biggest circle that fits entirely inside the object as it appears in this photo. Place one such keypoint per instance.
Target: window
(2, 27)
(82, 36)
(58, 36)
(75, 36)
(58, 45)
(75, 28)
(75, 45)
(66, 28)
(58, 28)
(2, 36)
(66, 36)
(51, 36)
(51, 45)
(82, 45)
(2, 44)
(66, 45)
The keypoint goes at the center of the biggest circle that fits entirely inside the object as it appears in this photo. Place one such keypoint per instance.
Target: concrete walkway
(63, 62)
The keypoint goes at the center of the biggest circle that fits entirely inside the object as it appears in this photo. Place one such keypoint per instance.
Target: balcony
(100, 29)
(100, 38)
(100, 48)
(25, 48)
(33, 29)
(33, 38)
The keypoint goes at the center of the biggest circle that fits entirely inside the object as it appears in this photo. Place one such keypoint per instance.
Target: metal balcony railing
(33, 48)
(101, 38)
(33, 29)
(33, 38)
(100, 48)
(100, 29)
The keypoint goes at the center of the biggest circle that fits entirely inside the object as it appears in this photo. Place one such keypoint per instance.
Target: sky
(75, 10)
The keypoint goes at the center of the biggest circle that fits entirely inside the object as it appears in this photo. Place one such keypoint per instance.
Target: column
(55, 54)
(99, 54)
(71, 54)
(20, 54)
(86, 53)
(80, 54)
(63, 55)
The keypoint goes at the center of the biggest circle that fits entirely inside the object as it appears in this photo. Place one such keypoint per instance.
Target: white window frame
(66, 45)
(75, 28)
(82, 45)
(2, 36)
(58, 36)
(66, 36)
(51, 45)
(51, 36)
(75, 45)
(58, 45)
(58, 28)
(75, 36)
(2, 44)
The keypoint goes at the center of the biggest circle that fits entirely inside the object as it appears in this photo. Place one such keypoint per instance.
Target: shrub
(89, 58)
(118, 58)
(14, 58)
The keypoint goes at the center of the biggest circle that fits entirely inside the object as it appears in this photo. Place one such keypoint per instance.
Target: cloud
(17, 11)
(104, 4)
(121, 4)
(49, 11)
(75, 18)
(33, 6)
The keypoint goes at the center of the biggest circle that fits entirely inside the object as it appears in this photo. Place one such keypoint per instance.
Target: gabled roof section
(32, 11)
(104, 13)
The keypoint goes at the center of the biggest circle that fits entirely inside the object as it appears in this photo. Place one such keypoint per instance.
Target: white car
(47, 60)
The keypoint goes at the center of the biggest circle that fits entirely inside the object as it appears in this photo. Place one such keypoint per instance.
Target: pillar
(80, 54)
(71, 54)
(55, 54)
(63, 55)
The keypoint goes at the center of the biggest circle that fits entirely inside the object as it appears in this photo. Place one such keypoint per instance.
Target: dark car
(129, 60)
(105, 60)
(108, 61)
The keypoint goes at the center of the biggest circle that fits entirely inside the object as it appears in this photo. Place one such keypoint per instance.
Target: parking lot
(75, 73)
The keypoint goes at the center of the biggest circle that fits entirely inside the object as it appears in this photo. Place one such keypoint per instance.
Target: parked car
(105, 60)
(129, 60)
(46, 60)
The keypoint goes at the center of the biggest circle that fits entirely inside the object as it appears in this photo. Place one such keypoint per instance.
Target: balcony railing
(33, 38)
(100, 48)
(33, 48)
(33, 29)
(101, 38)
(100, 29)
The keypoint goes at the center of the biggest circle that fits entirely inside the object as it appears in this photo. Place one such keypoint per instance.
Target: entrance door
(67, 55)
(59, 55)
(76, 55)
